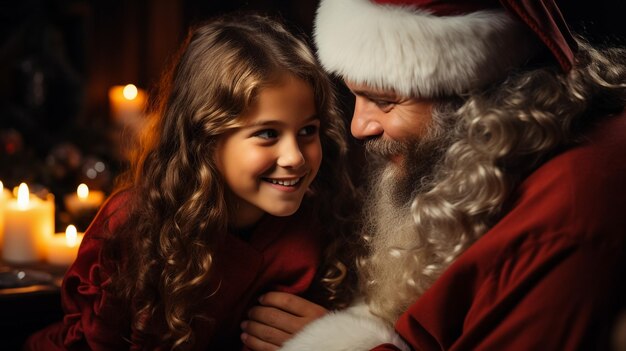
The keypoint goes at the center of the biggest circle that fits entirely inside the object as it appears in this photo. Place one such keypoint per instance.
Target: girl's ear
(217, 158)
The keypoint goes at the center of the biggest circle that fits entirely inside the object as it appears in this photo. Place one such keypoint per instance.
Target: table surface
(30, 307)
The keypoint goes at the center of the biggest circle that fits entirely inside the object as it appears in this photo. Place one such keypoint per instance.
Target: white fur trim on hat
(416, 53)
(353, 329)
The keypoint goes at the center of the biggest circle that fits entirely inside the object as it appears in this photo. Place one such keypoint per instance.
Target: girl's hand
(276, 319)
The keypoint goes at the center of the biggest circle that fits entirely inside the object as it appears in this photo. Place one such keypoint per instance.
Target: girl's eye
(266, 134)
(308, 130)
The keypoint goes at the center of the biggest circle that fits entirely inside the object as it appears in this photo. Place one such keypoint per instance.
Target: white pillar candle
(83, 201)
(127, 104)
(63, 247)
(28, 224)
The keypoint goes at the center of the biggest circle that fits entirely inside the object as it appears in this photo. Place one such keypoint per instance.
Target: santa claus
(495, 218)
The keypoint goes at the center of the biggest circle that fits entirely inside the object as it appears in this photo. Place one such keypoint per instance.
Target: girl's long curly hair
(178, 212)
(500, 135)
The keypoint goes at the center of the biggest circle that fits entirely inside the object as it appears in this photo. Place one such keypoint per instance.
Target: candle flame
(130, 92)
(1, 188)
(71, 235)
(23, 196)
(82, 191)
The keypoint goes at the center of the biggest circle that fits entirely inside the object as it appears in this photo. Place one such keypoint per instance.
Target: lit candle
(127, 103)
(63, 248)
(28, 224)
(84, 201)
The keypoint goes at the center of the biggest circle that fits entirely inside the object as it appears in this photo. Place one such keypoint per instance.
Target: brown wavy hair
(178, 211)
(498, 137)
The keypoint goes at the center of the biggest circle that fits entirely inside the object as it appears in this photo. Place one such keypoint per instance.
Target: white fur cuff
(353, 329)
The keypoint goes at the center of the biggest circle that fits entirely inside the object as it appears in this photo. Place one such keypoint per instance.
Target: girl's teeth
(285, 182)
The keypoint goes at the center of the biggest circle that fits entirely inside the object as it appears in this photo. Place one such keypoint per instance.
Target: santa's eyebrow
(373, 96)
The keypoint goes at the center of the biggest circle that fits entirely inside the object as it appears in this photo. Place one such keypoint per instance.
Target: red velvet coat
(282, 254)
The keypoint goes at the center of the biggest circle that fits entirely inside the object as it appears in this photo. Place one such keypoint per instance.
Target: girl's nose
(290, 155)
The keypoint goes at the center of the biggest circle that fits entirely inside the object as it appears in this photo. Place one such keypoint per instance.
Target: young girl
(210, 214)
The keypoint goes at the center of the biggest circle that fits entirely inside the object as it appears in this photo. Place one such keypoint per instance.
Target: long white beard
(389, 225)
(389, 228)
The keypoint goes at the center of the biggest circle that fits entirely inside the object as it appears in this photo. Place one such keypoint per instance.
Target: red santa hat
(432, 48)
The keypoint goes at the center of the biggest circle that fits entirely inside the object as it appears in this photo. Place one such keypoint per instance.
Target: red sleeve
(93, 319)
(566, 303)
(546, 298)
(386, 347)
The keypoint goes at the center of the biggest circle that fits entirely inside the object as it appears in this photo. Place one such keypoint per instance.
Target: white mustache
(385, 148)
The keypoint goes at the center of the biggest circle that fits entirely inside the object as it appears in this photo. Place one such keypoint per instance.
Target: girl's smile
(286, 184)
